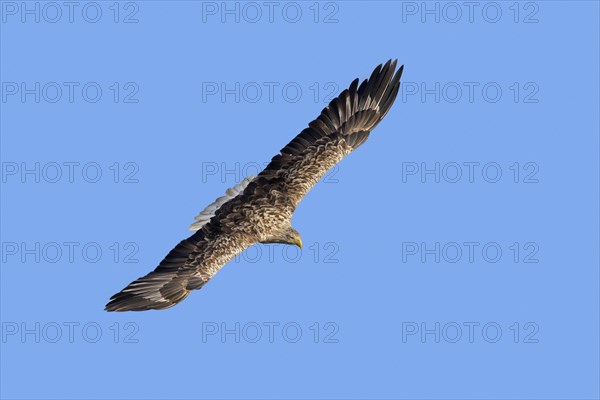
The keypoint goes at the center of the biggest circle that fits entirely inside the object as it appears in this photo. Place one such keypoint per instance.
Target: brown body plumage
(259, 210)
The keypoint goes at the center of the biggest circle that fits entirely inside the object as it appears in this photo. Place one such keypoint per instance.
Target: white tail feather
(210, 211)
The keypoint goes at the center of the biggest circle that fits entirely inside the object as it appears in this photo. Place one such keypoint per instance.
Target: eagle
(259, 209)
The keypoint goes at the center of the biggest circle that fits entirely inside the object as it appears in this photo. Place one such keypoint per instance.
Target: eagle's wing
(194, 261)
(342, 127)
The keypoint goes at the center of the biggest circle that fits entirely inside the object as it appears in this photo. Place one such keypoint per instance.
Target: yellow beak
(298, 242)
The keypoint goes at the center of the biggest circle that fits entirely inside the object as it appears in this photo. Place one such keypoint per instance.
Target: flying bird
(259, 209)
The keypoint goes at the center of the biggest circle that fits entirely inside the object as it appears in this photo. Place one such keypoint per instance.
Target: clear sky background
(454, 255)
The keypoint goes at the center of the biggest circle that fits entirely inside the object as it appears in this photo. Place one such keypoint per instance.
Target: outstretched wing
(192, 263)
(342, 127)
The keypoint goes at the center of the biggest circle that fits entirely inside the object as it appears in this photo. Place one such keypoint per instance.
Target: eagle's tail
(162, 288)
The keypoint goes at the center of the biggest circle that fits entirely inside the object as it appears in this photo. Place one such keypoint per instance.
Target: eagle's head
(293, 237)
(285, 235)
